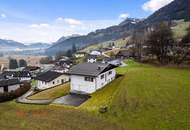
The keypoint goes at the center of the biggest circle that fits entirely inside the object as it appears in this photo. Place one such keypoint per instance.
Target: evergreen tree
(69, 53)
(74, 49)
(13, 64)
(22, 63)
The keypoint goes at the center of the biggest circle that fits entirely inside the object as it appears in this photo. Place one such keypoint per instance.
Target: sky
(30, 21)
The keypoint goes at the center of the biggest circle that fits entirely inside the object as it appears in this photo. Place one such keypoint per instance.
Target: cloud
(124, 16)
(3, 16)
(70, 21)
(153, 5)
(42, 25)
(60, 19)
(50, 32)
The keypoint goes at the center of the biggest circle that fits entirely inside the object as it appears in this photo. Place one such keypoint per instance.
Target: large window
(90, 79)
(102, 76)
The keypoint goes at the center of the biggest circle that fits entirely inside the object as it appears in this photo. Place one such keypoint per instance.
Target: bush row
(14, 94)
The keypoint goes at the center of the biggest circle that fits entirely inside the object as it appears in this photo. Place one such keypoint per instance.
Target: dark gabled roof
(68, 61)
(8, 82)
(17, 73)
(31, 68)
(90, 69)
(2, 77)
(123, 53)
(80, 52)
(48, 76)
(91, 57)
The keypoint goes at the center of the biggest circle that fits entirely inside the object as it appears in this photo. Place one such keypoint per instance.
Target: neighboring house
(50, 79)
(79, 54)
(32, 69)
(91, 58)
(65, 63)
(8, 85)
(123, 54)
(116, 62)
(60, 69)
(46, 67)
(97, 53)
(87, 78)
(20, 75)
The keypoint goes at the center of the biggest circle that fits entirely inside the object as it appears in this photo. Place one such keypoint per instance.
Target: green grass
(145, 98)
(102, 97)
(152, 98)
(52, 93)
(33, 117)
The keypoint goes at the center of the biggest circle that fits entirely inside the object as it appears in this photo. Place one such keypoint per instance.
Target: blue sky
(47, 20)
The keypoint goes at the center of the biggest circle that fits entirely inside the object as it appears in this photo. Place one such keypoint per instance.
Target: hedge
(14, 94)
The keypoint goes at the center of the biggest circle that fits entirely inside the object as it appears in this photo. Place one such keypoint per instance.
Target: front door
(62, 81)
(6, 89)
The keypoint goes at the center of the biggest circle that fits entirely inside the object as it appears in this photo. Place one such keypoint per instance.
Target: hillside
(11, 43)
(178, 9)
(109, 34)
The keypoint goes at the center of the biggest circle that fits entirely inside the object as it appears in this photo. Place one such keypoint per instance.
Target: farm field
(144, 98)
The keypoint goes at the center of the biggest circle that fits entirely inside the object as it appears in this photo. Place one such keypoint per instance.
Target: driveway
(71, 100)
(23, 99)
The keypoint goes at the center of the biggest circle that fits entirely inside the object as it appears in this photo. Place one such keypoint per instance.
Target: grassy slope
(146, 98)
(33, 117)
(52, 93)
(154, 99)
(118, 43)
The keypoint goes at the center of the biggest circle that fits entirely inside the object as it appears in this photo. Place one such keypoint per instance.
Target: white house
(50, 79)
(87, 78)
(8, 85)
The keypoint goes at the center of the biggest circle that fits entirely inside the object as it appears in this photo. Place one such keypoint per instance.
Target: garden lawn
(52, 93)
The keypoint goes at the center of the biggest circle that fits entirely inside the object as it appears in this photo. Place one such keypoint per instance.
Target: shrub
(103, 109)
(14, 94)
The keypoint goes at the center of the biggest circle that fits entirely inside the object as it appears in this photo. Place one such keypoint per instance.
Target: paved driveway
(71, 100)
(23, 99)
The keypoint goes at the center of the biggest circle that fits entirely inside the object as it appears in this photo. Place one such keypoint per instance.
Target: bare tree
(160, 41)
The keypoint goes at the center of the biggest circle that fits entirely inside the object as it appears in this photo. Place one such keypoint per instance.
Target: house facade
(8, 85)
(50, 79)
(88, 78)
(21, 75)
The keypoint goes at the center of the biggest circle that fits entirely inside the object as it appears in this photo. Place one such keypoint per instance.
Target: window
(90, 79)
(53, 82)
(62, 81)
(102, 76)
(110, 73)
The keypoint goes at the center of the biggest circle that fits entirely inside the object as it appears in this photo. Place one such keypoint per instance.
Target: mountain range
(14, 44)
(176, 10)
